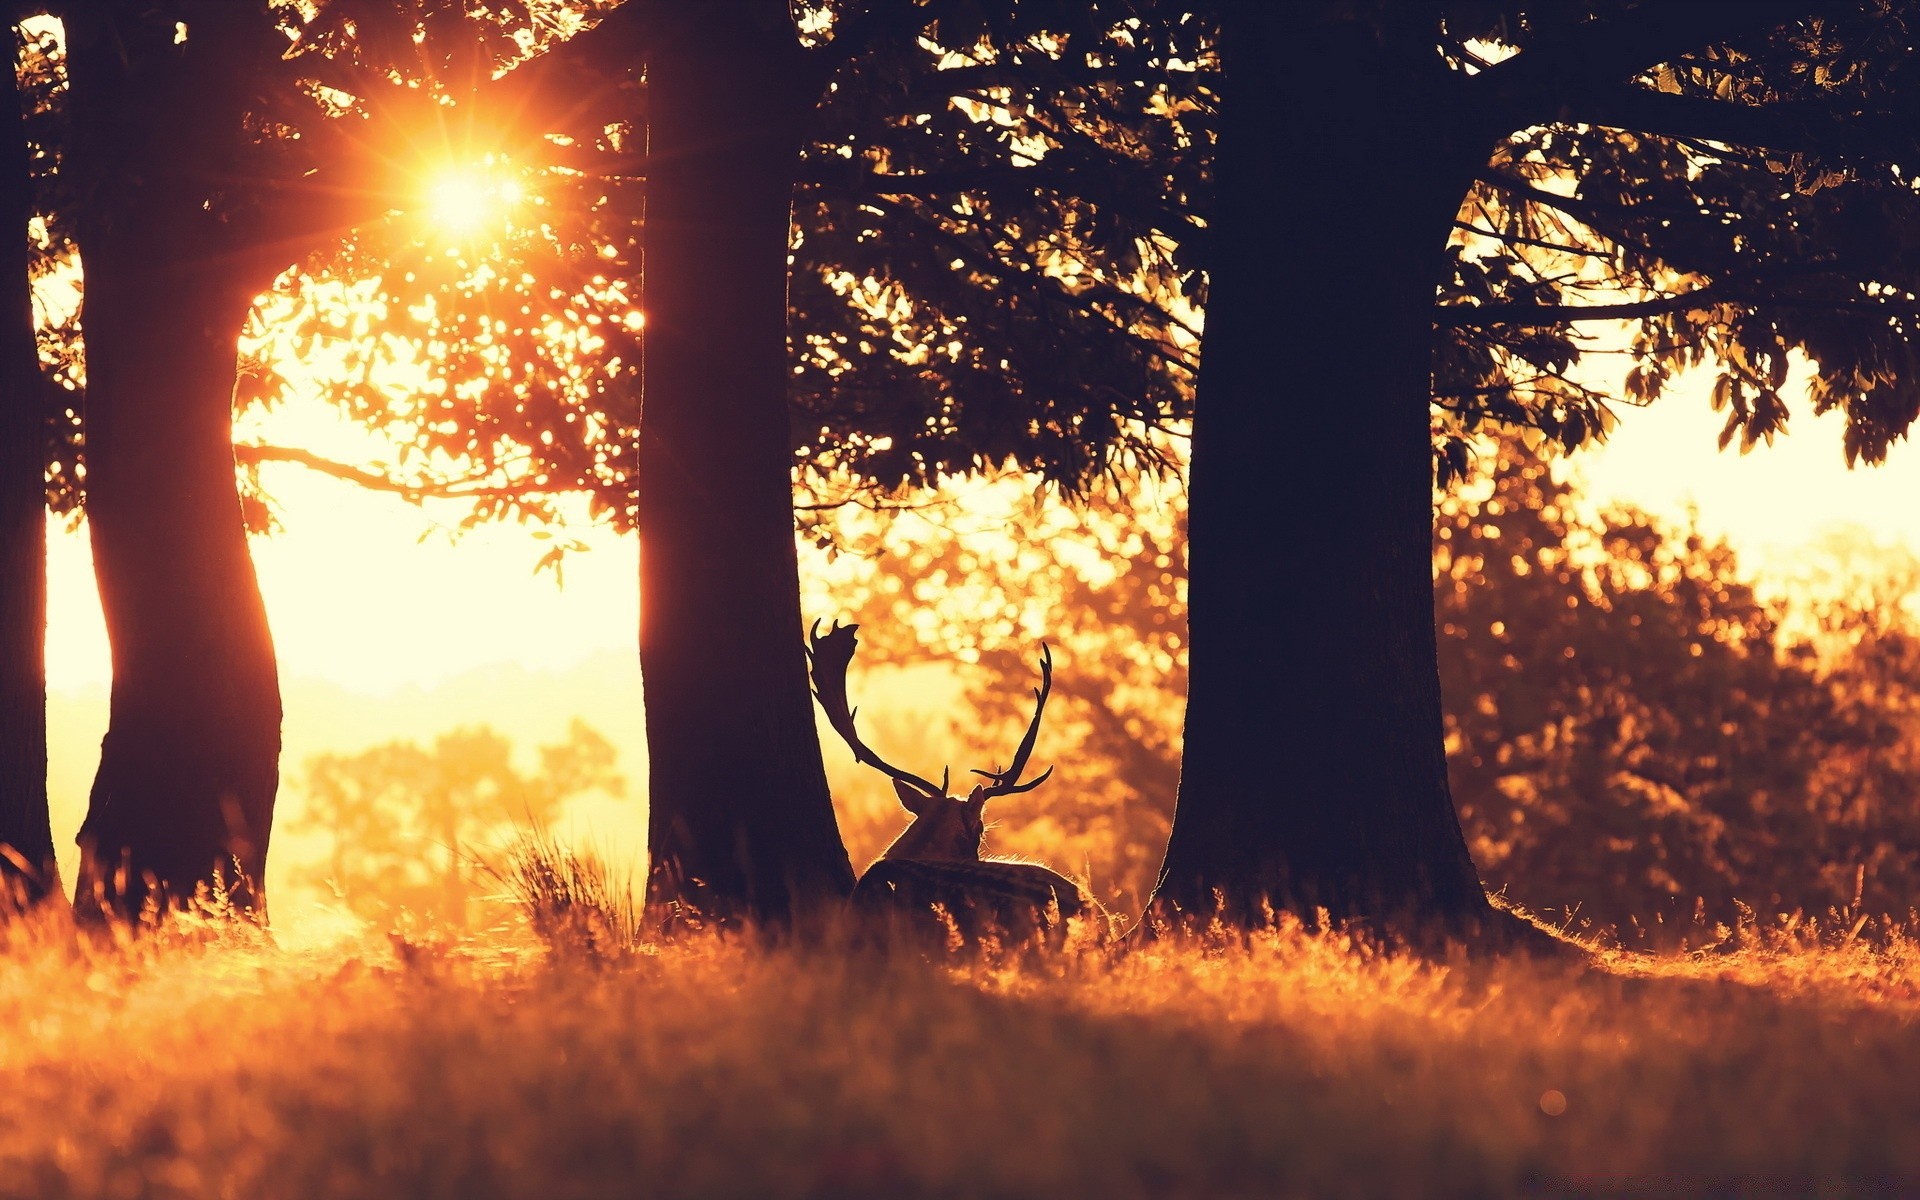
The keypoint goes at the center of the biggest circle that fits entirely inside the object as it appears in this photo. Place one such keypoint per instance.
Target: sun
(467, 199)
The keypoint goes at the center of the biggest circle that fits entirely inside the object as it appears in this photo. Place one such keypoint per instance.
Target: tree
(410, 826)
(1667, 155)
(189, 766)
(734, 827)
(1313, 775)
(737, 827)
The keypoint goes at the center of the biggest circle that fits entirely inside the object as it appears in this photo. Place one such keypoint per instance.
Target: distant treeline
(1635, 737)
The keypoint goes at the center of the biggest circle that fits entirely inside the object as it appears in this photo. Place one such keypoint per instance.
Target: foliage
(411, 826)
(1631, 734)
(1732, 205)
(1298, 1065)
(502, 366)
(1049, 148)
(990, 184)
(480, 316)
(351, 125)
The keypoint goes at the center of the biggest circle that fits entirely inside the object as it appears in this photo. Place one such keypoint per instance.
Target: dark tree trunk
(190, 764)
(26, 839)
(741, 821)
(1314, 774)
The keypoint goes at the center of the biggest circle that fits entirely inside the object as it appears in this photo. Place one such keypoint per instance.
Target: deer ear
(911, 798)
(977, 801)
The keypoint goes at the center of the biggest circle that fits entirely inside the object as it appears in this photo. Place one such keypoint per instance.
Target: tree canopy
(945, 135)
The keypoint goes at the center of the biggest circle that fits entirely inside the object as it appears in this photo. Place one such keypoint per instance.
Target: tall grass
(573, 900)
(1286, 1064)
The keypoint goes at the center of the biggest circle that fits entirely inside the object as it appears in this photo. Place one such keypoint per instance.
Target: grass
(1284, 1065)
(574, 902)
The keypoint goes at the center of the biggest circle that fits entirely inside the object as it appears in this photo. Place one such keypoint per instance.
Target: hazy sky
(1769, 501)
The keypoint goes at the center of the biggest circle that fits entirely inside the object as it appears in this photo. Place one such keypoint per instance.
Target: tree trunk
(27, 869)
(190, 764)
(741, 821)
(1314, 774)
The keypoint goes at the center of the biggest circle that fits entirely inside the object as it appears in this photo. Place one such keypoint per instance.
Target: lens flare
(465, 200)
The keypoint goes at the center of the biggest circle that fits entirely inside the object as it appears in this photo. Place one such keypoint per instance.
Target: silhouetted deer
(935, 865)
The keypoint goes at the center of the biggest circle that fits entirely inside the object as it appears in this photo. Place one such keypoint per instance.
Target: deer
(934, 867)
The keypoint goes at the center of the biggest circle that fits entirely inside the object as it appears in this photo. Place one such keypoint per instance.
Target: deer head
(943, 827)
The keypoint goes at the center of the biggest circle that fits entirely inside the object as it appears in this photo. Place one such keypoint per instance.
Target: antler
(827, 657)
(1006, 783)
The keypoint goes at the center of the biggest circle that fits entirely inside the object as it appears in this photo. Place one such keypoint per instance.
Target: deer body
(1018, 903)
(932, 879)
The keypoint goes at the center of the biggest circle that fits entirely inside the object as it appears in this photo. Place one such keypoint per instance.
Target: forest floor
(1283, 1065)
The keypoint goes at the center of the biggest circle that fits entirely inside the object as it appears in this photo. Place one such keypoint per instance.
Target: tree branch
(1514, 239)
(253, 454)
(1040, 177)
(1566, 65)
(1050, 76)
(1796, 126)
(1474, 316)
(1593, 216)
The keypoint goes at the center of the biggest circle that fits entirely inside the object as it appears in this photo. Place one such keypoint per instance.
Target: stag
(934, 867)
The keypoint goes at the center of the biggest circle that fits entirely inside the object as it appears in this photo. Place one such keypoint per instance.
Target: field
(1284, 1065)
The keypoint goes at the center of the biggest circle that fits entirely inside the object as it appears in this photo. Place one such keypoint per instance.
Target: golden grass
(1287, 1065)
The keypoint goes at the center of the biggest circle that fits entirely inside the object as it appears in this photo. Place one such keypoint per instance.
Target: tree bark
(741, 822)
(27, 869)
(190, 765)
(1314, 774)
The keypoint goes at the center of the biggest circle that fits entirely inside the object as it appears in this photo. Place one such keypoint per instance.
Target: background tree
(1640, 742)
(1637, 740)
(411, 827)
